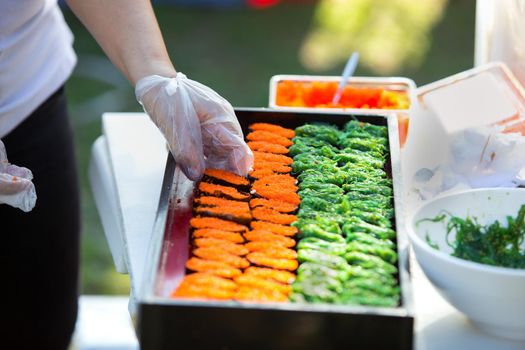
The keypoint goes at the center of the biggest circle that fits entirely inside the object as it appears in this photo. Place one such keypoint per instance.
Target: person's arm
(199, 125)
(128, 33)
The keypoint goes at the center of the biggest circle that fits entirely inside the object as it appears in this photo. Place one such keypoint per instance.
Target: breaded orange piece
(262, 165)
(209, 201)
(195, 291)
(258, 235)
(251, 294)
(263, 146)
(219, 254)
(274, 228)
(276, 275)
(206, 279)
(272, 249)
(222, 191)
(270, 157)
(219, 224)
(270, 215)
(280, 206)
(226, 177)
(262, 259)
(233, 237)
(241, 216)
(262, 283)
(232, 248)
(276, 129)
(218, 268)
(270, 137)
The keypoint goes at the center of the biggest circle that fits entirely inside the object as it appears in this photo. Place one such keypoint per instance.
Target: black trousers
(39, 251)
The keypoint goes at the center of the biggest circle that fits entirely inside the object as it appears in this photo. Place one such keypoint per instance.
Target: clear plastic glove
(200, 126)
(16, 188)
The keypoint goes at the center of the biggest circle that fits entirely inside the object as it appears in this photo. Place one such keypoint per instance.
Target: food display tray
(165, 323)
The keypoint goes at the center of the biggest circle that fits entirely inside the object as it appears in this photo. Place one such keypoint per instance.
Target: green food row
(346, 250)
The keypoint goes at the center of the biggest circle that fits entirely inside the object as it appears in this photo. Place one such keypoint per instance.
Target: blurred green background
(237, 50)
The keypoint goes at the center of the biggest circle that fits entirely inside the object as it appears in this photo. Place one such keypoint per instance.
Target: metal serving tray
(168, 323)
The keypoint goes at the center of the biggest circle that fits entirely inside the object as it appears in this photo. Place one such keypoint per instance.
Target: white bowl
(493, 298)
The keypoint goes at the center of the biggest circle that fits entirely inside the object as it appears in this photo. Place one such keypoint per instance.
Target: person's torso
(36, 57)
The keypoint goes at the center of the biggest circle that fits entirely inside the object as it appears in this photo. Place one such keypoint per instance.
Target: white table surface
(137, 155)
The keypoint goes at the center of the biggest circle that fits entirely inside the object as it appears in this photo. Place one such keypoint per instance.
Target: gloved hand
(16, 188)
(200, 126)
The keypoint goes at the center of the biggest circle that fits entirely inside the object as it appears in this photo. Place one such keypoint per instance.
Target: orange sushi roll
(263, 146)
(219, 254)
(276, 275)
(270, 157)
(262, 283)
(279, 194)
(209, 201)
(274, 228)
(215, 223)
(206, 279)
(233, 237)
(260, 173)
(222, 191)
(234, 214)
(226, 176)
(284, 179)
(232, 248)
(250, 294)
(270, 137)
(276, 129)
(272, 249)
(262, 165)
(258, 235)
(218, 268)
(195, 291)
(262, 259)
(270, 215)
(280, 206)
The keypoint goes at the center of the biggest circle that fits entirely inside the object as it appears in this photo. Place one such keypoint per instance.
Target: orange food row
(242, 243)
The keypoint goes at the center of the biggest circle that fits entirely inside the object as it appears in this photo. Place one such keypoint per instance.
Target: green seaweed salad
(493, 244)
(346, 243)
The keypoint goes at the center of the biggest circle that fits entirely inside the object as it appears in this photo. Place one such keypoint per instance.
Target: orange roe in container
(320, 94)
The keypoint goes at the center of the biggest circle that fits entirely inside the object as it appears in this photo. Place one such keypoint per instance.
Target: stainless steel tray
(165, 323)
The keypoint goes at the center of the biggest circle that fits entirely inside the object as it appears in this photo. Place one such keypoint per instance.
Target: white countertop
(126, 173)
